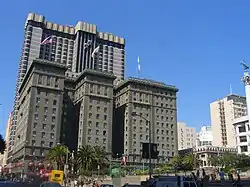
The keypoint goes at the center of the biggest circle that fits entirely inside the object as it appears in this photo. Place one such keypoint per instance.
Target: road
(246, 183)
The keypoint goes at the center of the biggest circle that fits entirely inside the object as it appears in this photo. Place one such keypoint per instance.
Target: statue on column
(246, 78)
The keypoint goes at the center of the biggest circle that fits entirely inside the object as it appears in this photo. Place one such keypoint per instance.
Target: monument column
(246, 81)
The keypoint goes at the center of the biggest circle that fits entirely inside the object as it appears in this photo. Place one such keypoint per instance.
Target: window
(243, 148)
(52, 127)
(54, 110)
(50, 144)
(243, 139)
(97, 124)
(40, 79)
(56, 82)
(36, 116)
(43, 134)
(52, 135)
(105, 109)
(54, 102)
(48, 80)
(242, 129)
(34, 125)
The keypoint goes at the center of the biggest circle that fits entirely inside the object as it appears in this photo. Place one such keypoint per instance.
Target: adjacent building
(223, 112)
(7, 133)
(205, 136)
(154, 103)
(77, 47)
(242, 131)
(241, 125)
(186, 136)
(204, 154)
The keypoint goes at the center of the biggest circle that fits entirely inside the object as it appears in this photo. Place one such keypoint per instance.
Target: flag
(47, 40)
(139, 65)
(95, 51)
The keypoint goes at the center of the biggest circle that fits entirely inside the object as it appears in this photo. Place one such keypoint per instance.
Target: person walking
(238, 182)
(222, 177)
(198, 174)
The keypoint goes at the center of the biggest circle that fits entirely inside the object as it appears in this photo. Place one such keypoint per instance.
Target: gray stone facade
(39, 110)
(74, 110)
(94, 94)
(58, 106)
(154, 101)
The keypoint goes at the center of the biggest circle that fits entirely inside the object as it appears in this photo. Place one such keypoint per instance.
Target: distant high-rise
(205, 136)
(186, 136)
(223, 113)
(80, 47)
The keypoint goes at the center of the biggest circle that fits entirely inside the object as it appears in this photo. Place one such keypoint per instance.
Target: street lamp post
(149, 141)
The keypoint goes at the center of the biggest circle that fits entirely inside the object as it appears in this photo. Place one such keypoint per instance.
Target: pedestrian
(198, 174)
(203, 173)
(222, 177)
(238, 183)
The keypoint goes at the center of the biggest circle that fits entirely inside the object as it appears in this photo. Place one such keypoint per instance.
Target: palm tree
(100, 157)
(100, 154)
(58, 155)
(2, 144)
(188, 162)
(85, 159)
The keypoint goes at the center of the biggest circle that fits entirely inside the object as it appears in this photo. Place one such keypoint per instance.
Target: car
(106, 185)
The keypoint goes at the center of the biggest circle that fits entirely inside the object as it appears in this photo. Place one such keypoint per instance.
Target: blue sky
(195, 45)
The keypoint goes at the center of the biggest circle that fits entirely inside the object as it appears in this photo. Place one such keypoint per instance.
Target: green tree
(100, 158)
(186, 163)
(230, 161)
(86, 157)
(58, 155)
(2, 145)
(214, 160)
(176, 162)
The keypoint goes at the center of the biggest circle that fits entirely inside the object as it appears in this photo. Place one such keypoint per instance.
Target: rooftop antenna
(231, 89)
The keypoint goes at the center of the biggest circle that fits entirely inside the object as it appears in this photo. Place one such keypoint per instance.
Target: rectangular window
(40, 77)
(243, 139)
(48, 80)
(242, 129)
(243, 149)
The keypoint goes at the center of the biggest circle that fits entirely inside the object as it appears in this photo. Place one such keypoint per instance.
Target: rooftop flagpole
(138, 66)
